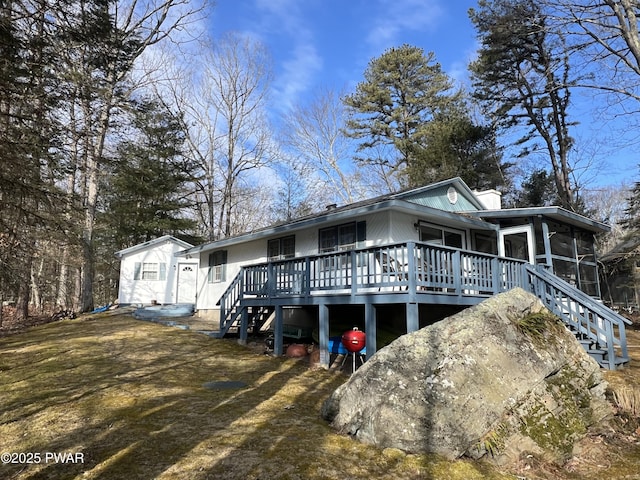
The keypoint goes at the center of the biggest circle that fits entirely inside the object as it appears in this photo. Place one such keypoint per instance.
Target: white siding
(377, 233)
(402, 228)
(132, 291)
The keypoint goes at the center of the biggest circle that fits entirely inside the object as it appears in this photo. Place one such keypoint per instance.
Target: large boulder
(502, 377)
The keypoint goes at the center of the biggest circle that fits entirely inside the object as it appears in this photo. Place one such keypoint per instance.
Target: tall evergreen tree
(28, 132)
(454, 146)
(632, 212)
(105, 40)
(147, 194)
(522, 77)
(537, 190)
(403, 90)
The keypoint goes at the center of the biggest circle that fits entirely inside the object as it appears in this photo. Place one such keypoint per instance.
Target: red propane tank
(354, 340)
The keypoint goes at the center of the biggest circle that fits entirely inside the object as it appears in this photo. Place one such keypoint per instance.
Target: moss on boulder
(494, 380)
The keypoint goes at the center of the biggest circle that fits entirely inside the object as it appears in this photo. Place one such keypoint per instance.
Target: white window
(281, 248)
(341, 237)
(438, 235)
(150, 271)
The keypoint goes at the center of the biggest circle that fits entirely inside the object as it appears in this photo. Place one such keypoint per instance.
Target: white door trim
(180, 283)
(528, 229)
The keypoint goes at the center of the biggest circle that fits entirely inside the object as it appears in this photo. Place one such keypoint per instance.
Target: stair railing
(230, 300)
(584, 315)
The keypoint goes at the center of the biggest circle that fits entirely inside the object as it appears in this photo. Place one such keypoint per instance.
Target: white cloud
(285, 24)
(282, 16)
(299, 73)
(395, 17)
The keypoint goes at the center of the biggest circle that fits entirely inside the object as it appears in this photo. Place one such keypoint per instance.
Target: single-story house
(395, 263)
(151, 273)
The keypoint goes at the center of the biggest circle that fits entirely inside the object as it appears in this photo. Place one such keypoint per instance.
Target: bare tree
(314, 133)
(607, 34)
(182, 90)
(239, 75)
(221, 97)
(609, 204)
(99, 75)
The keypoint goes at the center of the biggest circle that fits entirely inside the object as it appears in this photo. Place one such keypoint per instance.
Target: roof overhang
(452, 219)
(555, 213)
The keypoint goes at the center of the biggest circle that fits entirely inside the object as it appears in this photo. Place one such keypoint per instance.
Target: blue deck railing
(413, 267)
(417, 269)
(598, 327)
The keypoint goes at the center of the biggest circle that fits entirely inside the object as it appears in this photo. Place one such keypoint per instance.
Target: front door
(187, 282)
(517, 242)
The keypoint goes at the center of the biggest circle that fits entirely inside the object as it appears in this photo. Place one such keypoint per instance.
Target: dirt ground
(122, 398)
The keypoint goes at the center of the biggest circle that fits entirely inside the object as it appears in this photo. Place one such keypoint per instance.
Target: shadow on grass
(130, 397)
(132, 402)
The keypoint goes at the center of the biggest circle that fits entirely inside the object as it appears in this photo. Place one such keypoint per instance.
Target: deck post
(412, 285)
(354, 273)
(244, 326)
(496, 277)
(323, 334)
(413, 319)
(271, 280)
(457, 272)
(370, 328)
(277, 332)
(546, 240)
(307, 277)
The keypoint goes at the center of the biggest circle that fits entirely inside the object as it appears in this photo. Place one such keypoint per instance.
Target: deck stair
(600, 330)
(232, 310)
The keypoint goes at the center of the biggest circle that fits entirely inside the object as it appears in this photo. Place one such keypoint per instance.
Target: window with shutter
(151, 271)
(217, 266)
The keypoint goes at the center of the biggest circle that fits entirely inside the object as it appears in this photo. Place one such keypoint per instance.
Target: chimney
(490, 199)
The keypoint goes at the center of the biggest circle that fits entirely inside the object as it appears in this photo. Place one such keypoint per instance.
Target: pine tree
(632, 213)
(522, 77)
(29, 167)
(537, 190)
(403, 90)
(147, 193)
(453, 145)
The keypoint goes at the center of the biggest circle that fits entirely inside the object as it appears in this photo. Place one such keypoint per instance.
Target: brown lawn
(128, 399)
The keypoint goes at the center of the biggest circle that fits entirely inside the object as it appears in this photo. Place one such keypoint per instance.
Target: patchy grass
(130, 397)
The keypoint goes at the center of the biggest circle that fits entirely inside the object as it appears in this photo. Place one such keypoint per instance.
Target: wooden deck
(411, 274)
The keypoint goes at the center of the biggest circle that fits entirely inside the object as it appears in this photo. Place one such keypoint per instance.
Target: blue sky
(327, 44)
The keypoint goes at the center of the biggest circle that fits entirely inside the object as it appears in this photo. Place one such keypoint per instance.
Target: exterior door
(187, 282)
(517, 242)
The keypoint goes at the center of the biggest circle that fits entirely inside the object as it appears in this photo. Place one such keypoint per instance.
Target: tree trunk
(36, 298)
(24, 291)
(62, 295)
